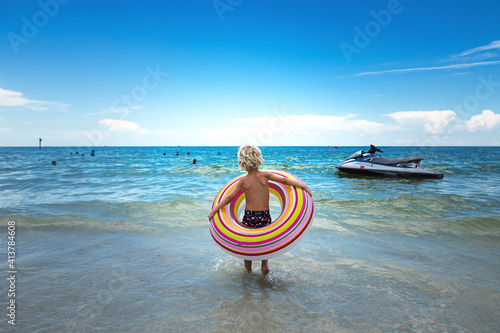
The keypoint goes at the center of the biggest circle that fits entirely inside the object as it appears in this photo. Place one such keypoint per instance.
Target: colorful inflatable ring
(286, 231)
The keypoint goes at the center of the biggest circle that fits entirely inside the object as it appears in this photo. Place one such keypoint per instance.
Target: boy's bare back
(255, 185)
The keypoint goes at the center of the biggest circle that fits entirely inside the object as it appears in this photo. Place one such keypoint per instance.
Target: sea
(120, 242)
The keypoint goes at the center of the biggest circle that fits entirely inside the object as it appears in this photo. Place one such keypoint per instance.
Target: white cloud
(480, 53)
(12, 98)
(117, 110)
(491, 46)
(488, 120)
(302, 124)
(3, 129)
(422, 128)
(422, 69)
(114, 125)
(122, 110)
(287, 130)
(473, 56)
(433, 122)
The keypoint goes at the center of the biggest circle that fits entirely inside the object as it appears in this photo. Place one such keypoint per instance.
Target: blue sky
(231, 72)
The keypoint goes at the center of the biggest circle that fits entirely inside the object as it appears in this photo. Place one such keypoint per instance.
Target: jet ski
(369, 163)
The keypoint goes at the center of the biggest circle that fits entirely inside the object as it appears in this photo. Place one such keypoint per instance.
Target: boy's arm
(289, 182)
(225, 201)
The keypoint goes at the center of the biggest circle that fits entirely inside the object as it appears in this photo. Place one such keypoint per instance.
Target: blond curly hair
(250, 157)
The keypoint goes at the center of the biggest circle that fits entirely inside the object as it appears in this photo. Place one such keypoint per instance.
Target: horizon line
(187, 146)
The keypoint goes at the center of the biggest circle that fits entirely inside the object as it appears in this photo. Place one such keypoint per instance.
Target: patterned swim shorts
(257, 219)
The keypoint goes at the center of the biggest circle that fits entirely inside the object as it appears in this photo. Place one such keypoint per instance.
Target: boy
(255, 185)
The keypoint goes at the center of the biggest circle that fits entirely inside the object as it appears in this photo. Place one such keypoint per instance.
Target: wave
(132, 216)
(411, 215)
(205, 170)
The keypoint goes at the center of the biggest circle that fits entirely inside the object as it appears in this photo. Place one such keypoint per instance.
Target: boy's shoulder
(256, 173)
(265, 172)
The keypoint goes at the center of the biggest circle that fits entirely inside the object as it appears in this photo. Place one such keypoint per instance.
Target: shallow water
(119, 242)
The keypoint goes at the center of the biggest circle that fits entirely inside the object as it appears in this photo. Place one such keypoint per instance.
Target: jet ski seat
(395, 161)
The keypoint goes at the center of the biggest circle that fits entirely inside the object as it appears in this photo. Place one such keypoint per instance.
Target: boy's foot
(248, 266)
(264, 267)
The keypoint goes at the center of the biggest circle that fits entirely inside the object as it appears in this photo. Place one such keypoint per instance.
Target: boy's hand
(308, 190)
(211, 215)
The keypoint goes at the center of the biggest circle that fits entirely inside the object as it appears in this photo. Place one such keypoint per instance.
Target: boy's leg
(264, 267)
(248, 265)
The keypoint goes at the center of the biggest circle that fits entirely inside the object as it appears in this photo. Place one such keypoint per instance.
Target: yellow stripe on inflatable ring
(287, 230)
